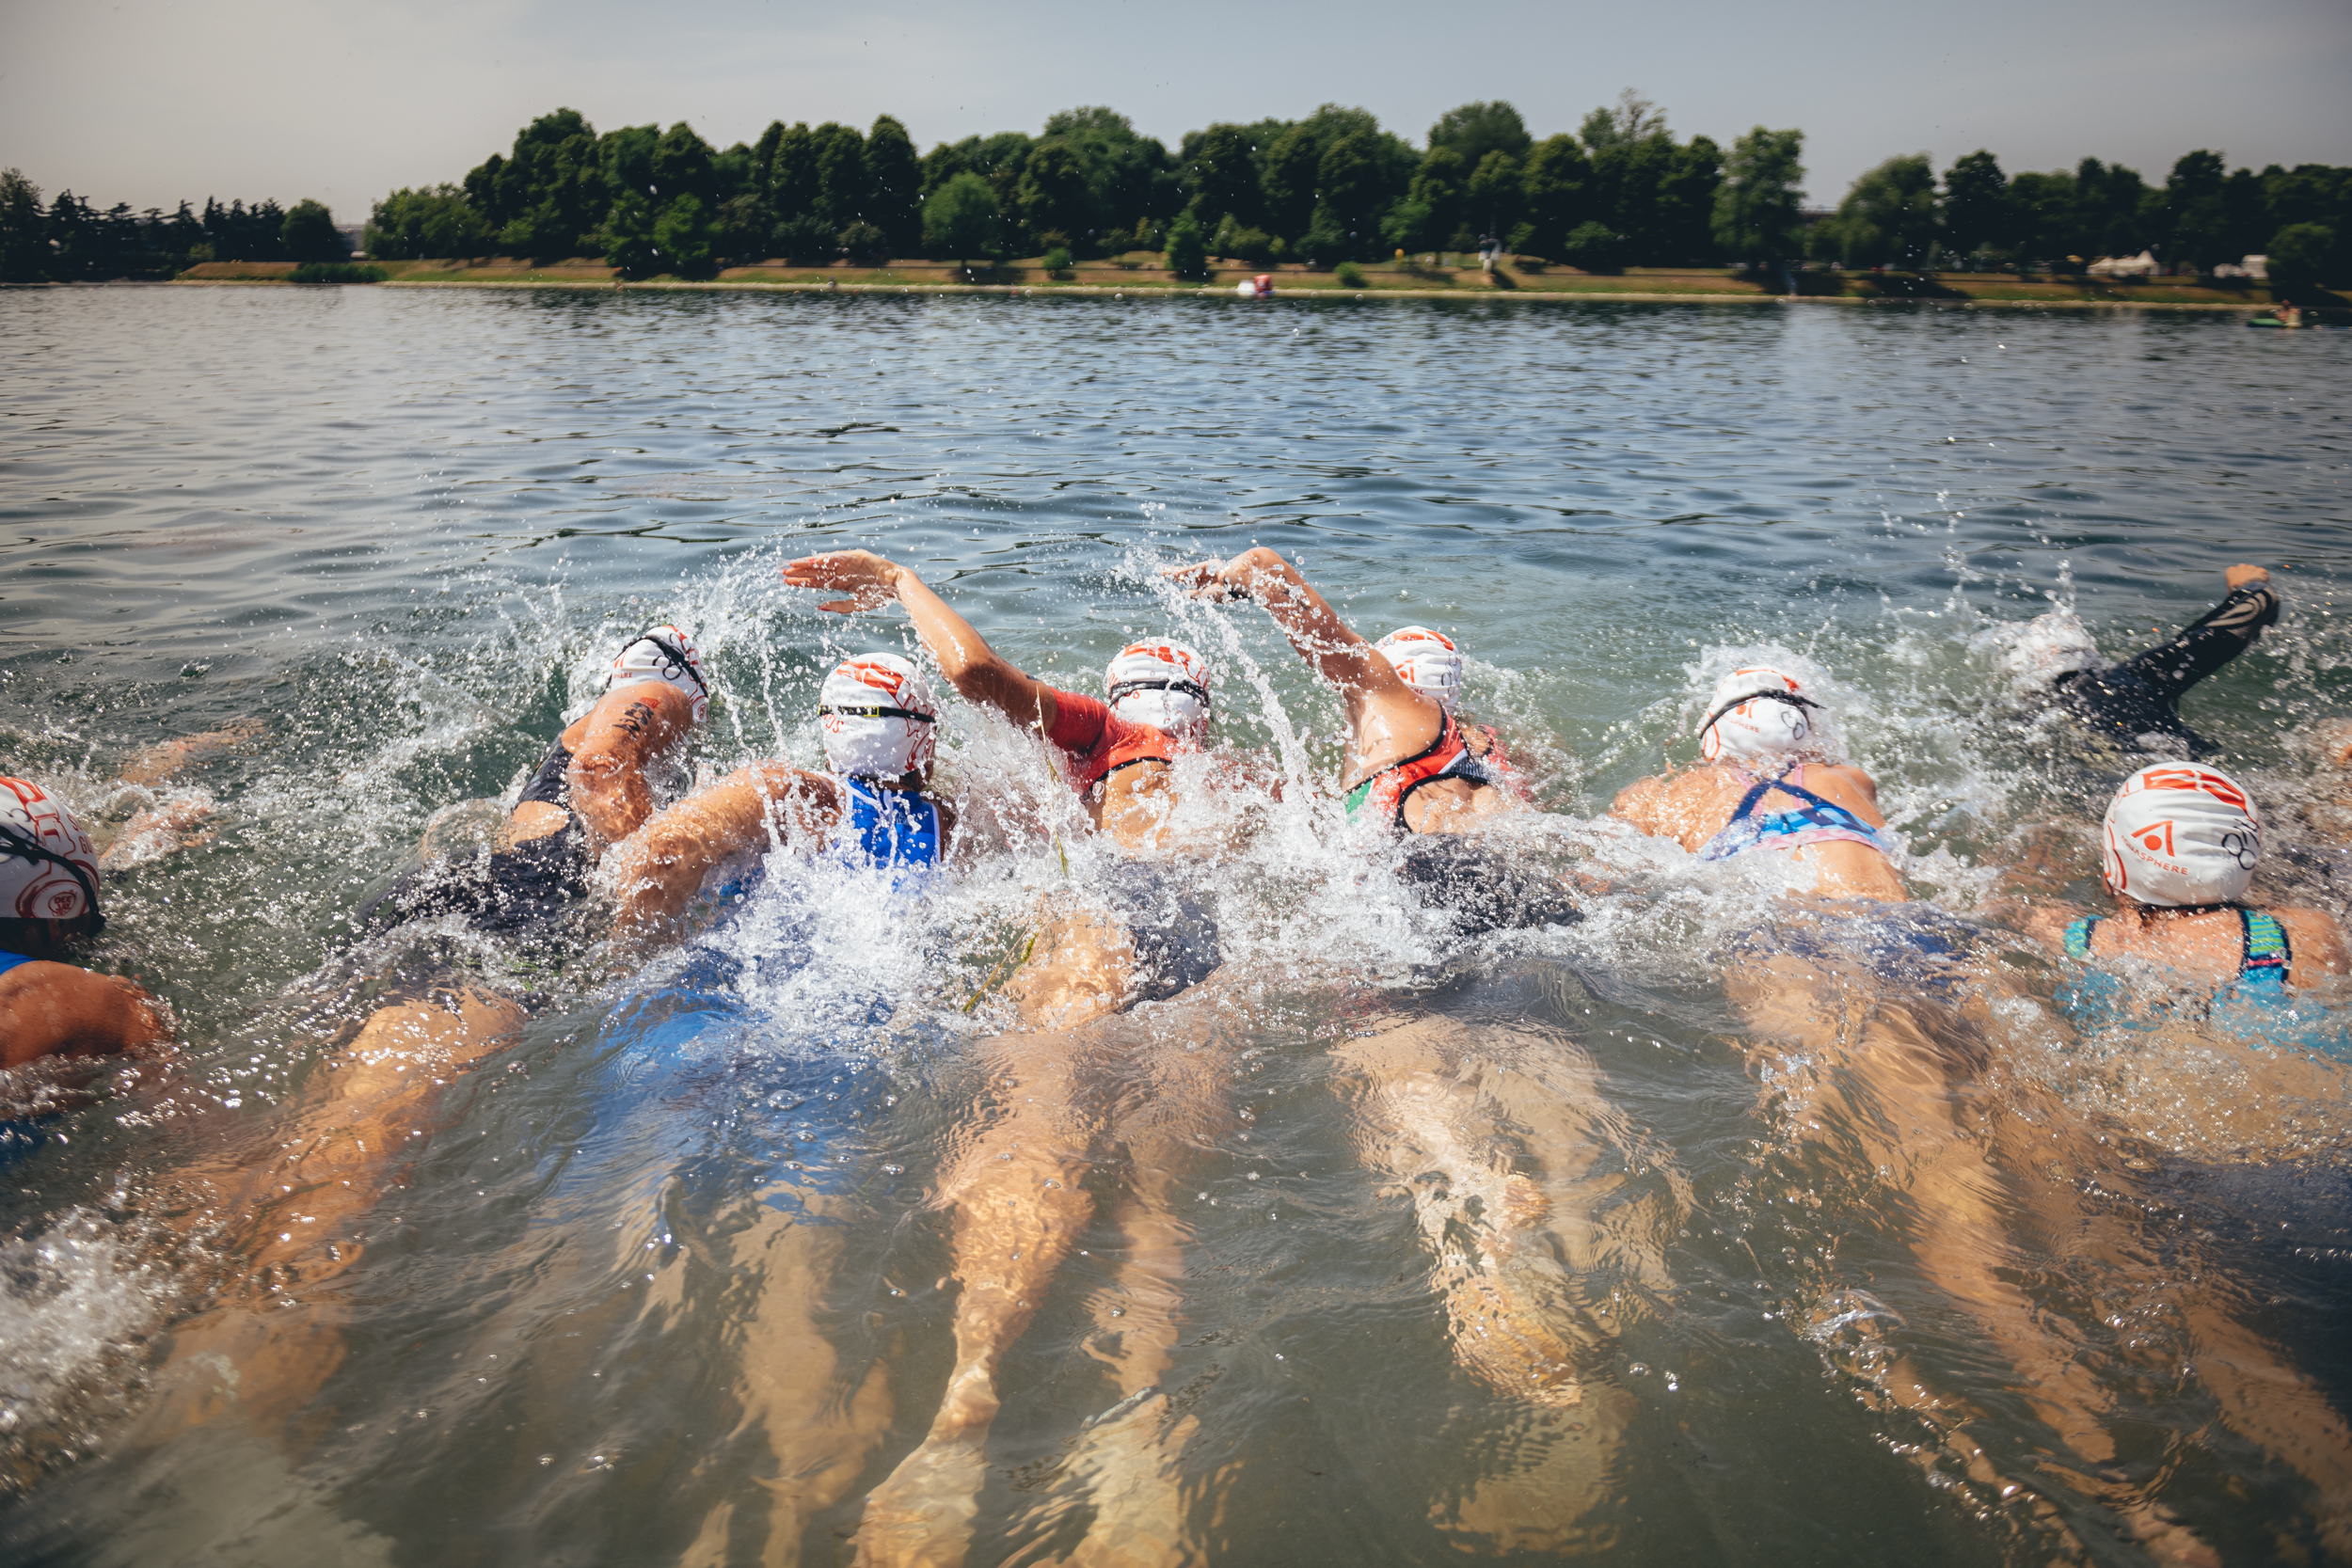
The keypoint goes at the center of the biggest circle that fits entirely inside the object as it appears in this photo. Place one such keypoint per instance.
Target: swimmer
(2137, 702)
(590, 792)
(1886, 1052)
(1764, 784)
(50, 1006)
(1429, 662)
(1120, 748)
(1018, 1186)
(880, 723)
(1407, 766)
(2181, 842)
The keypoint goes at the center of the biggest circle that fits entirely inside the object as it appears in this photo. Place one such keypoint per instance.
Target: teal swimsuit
(2256, 1007)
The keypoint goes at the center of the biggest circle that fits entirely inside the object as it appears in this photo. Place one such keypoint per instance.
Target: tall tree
(1557, 192)
(843, 183)
(1439, 185)
(795, 187)
(23, 231)
(961, 218)
(1475, 129)
(550, 191)
(1221, 172)
(1975, 208)
(683, 165)
(1494, 193)
(309, 233)
(2197, 226)
(1354, 187)
(1888, 217)
(1757, 218)
(895, 178)
(1634, 118)
(1054, 196)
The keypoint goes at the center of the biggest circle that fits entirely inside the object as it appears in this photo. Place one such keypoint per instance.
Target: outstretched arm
(624, 732)
(972, 667)
(657, 871)
(57, 1009)
(1390, 720)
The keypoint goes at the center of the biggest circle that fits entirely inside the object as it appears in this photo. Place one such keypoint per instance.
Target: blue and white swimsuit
(890, 827)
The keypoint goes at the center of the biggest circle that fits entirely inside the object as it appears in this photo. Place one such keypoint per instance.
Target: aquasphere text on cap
(2179, 835)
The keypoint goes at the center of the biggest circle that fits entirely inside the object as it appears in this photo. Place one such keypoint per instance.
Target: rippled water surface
(663, 1281)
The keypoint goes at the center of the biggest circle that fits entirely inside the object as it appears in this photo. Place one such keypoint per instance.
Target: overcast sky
(148, 102)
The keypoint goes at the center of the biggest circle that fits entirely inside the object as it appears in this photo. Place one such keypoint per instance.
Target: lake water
(661, 1282)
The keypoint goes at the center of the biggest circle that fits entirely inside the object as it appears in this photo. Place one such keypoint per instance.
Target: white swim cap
(2179, 834)
(667, 654)
(1164, 685)
(2051, 646)
(1755, 712)
(1246, 288)
(879, 717)
(1425, 660)
(48, 870)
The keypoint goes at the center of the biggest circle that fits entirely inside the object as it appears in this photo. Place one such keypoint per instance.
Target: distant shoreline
(1383, 280)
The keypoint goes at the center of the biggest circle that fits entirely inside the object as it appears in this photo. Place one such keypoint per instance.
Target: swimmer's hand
(1257, 574)
(872, 582)
(2239, 575)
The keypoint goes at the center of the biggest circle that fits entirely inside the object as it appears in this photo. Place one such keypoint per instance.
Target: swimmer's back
(1692, 807)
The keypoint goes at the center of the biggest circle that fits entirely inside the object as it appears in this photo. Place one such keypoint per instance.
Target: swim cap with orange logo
(1755, 712)
(1425, 660)
(48, 870)
(2179, 835)
(1164, 685)
(879, 717)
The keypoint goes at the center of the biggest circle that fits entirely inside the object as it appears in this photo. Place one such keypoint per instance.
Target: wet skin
(611, 746)
(657, 872)
(1388, 721)
(1692, 807)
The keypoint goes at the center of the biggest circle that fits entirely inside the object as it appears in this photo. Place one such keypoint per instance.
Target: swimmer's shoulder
(2317, 944)
(52, 1010)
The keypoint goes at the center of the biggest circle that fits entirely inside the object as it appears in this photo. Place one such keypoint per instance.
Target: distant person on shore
(2053, 659)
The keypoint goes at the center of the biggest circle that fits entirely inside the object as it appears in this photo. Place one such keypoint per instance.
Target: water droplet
(893, 1170)
(1637, 1369)
(1253, 1176)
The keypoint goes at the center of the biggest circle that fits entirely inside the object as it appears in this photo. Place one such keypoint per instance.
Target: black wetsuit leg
(1175, 936)
(1487, 888)
(2142, 695)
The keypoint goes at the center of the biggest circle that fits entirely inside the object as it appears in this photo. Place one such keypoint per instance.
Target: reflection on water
(1388, 1243)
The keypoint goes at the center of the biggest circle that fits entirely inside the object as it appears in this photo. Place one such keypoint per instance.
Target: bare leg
(289, 1214)
(821, 1428)
(1018, 1211)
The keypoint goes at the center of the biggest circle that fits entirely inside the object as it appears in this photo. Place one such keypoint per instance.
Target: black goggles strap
(676, 656)
(877, 713)
(1191, 689)
(17, 844)
(1788, 697)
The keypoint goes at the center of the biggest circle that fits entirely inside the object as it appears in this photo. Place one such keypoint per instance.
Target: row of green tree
(2203, 216)
(69, 239)
(1622, 190)
(1333, 186)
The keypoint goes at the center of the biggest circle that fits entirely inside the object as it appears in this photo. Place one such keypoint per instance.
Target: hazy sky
(148, 102)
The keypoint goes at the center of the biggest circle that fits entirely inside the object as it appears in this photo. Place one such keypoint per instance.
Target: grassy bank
(1140, 272)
